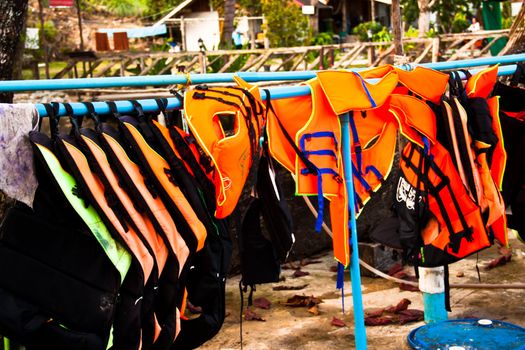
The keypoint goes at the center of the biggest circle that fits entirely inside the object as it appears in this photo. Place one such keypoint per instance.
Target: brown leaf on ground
(410, 315)
(374, 312)
(499, 261)
(314, 310)
(298, 273)
(333, 268)
(378, 321)
(249, 315)
(299, 287)
(337, 322)
(400, 274)
(408, 287)
(460, 274)
(302, 300)
(398, 267)
(262, 303)
(402, 305)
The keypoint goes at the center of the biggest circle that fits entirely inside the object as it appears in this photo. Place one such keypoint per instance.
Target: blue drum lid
(468, 334)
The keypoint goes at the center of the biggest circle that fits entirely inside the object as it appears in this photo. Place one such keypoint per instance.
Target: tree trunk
(424, 17)
(229, 14)
(396, 27)
(13, 15)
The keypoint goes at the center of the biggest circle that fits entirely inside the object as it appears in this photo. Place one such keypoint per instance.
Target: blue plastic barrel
(468, 334)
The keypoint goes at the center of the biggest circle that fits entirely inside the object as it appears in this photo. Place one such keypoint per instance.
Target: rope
(416, 284)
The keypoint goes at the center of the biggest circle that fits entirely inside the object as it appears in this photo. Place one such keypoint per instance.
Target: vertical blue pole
(357, 297)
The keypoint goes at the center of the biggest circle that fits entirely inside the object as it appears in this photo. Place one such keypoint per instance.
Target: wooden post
(371, 55)
(79, 16)
(435, 49)
(182, 33)
(202, 61)
(396, 27)
(321, 58)
(373, 10)
(43, 38)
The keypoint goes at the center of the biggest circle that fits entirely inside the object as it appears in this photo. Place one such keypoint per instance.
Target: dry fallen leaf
(460, 274)
(262, 303)
(298, 273)
(302, 300)
(249, 315)
(337, 322)
(299, 287)
(314, 310)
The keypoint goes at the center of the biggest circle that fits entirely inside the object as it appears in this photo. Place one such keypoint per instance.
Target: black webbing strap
(52, 113)
(307, 163)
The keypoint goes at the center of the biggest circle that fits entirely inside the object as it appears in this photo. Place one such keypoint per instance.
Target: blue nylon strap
(427, 145)
(370, 98)
(361, 179)
(318, 134)
(356, 142)
(340, 283)
(323, 152)
(320, 204)
(373, 169)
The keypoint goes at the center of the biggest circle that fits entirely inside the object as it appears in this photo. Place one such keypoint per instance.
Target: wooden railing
(346, 55)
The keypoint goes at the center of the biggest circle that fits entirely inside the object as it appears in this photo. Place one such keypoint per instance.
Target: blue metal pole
(149, 105)
(155, 80)
(357, 297)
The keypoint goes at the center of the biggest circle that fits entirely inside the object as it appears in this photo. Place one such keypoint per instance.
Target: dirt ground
(295, 328)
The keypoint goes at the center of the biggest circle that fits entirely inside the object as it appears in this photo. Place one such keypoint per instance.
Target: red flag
(61, 3)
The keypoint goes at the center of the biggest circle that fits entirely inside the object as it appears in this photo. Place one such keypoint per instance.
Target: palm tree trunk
(229, 14)
(13, 14)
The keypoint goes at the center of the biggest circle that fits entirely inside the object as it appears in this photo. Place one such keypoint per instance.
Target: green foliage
(121, 8)
(287, 26)
(324, 38)
(383, 35)
(50, 31)
(410, 11)
(156, 9)
(363, 28)
(460, 23)
(506, 23)
(446, 10)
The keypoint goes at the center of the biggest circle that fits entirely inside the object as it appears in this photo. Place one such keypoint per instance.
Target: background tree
(227, 30)
(287, 26)
(448, 11)
(13, 14)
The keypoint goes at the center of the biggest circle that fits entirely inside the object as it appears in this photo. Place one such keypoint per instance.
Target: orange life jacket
(304, 135)
(227, 124)
(480, 86)
(157, 171)
(92, 189)
(457, 229)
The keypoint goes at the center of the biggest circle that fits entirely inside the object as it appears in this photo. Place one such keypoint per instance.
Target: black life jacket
(53, 294)
(512, 118)
(209, 266)
(261, 258)
(134, 311)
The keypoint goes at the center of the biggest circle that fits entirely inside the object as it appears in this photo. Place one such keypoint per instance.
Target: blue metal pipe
(355, 276)
(156, 80)
(173, 103)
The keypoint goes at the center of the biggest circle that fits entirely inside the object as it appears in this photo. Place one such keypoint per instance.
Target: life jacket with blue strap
(373, 127)
(305, 136)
